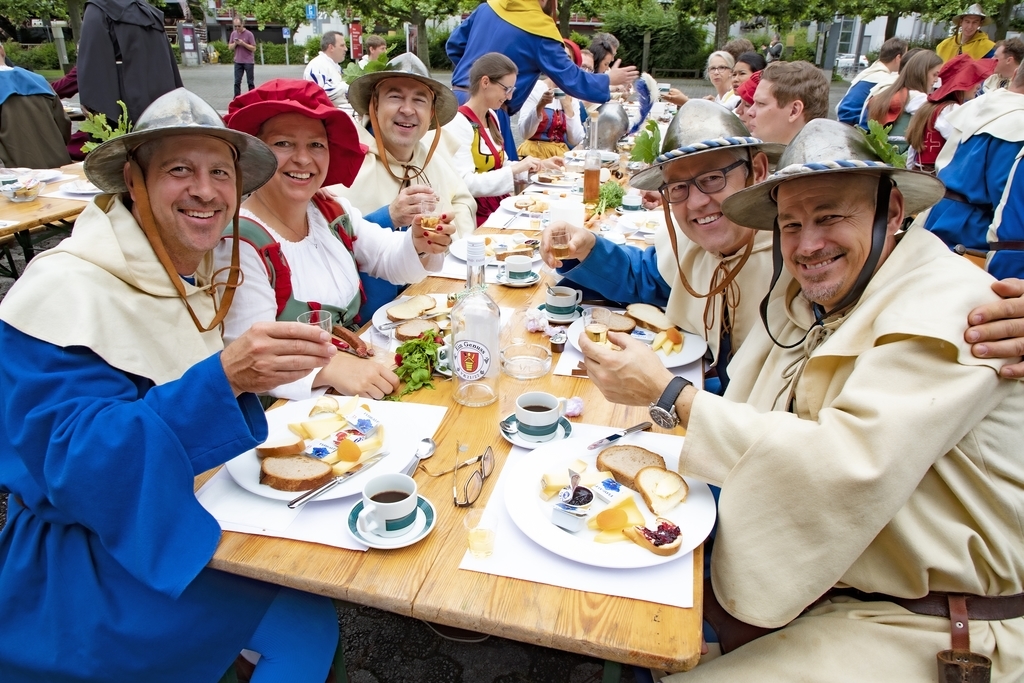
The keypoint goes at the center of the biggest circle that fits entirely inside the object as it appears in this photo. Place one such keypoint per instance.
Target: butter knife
(618, 435)
(316, 493)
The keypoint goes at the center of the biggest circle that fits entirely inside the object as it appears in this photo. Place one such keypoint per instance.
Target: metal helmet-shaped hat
(406, 65)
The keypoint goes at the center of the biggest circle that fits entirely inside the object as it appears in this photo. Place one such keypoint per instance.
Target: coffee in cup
(561, 303)
(389, 506)
(537, 414)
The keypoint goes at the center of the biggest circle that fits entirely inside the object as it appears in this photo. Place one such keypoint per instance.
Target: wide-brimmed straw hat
(405, 65)
(962, 72)
(249, 111)
(178, 112)
(699, 127)
(977, 11)
(826, 147)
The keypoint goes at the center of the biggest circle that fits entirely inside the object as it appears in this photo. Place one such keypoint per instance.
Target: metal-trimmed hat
(977, 11)
(405, 65)
(178, 112)
(701, 126)
(827, 147)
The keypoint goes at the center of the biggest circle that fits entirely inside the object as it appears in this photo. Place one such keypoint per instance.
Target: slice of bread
(649, 317)
(295, 473)
(665, 539)
(520, 250)
(621, 323)
(281, 446)
(414, 328)
(661, 489)
(624, 462)
(411, 308)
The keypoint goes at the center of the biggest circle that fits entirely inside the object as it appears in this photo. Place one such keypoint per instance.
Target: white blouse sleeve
(942, 124)
(488, 184)
(574, 132)
(255, 302)
(386, 253)
(528, 118)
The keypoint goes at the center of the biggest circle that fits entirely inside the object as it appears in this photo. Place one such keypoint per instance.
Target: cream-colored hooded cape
(687, 311)
(374, 187)
(900, 471)
(103, 288)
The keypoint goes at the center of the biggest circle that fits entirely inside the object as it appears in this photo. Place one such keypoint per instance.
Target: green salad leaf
(415, 360)
(97, 126)
(647, 144)
(877, 137)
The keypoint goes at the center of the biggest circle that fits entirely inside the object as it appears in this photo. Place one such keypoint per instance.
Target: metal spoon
(425, 449)
(510, 428)
(551, 291)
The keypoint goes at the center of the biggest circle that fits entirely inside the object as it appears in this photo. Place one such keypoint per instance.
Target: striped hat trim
(705, 145)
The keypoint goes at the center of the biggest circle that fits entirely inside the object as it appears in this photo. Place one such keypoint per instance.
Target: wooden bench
(676, 73)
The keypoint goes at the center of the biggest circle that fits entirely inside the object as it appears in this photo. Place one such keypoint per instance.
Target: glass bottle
(592, 167)
(476, 326)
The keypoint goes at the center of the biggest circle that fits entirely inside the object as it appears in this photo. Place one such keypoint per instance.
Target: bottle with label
(592, 167)
(476, 326)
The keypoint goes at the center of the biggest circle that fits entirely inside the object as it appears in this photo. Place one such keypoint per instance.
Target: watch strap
(668, 398)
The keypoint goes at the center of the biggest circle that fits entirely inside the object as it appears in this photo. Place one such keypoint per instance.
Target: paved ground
(386, 648)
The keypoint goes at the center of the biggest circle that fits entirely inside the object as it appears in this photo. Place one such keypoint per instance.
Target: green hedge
(225, 55)
(580, 39)
(676, 41)
(40, 57)
(437, 38)
(273, 53)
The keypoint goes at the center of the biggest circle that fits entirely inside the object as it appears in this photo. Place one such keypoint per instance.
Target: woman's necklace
(292, 232)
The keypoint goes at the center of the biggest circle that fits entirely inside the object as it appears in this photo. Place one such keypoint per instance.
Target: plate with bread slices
(643, 513)
(409, 316)
(309, 443)
(527, 203)
(649, 324)
(555, 178)
(499, 247)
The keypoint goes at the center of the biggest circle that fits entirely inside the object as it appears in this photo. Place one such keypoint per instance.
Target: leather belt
(936, 604)
(1002, 245)
(957, 197)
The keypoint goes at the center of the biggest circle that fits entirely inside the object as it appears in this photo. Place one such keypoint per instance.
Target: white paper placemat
(60, 194)
(320, 521)
(517, 557)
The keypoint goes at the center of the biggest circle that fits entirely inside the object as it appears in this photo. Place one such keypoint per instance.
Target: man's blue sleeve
(625, 273)
(381, 217)
(850, 106)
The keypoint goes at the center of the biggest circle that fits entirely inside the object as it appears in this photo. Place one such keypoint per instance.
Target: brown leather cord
(382, 149)
(148, 224)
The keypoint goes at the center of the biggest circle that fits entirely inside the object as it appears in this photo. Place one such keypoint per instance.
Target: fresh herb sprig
(97, 126)
(415, 360)
(877, 137)
(647, 144)
(610, 197)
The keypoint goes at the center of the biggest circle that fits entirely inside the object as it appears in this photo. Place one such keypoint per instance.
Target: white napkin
(60, 194)
(518, 557)
(320, 521)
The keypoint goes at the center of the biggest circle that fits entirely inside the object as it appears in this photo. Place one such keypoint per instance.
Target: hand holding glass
(320, 318)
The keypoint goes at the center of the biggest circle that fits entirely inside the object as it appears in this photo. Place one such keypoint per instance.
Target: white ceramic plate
(458, 247)
(581, 154)
(532, 514)
(641, 221)
(562, 432)
(694, 346)
(567, 180)
(426, 519)
(509, 203)
(83, 187)
(46, 175)
(245, 469)
(380, 316)
(527, 282)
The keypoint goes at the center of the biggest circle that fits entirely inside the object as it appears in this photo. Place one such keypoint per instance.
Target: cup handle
(365, 522)
(502, 270)
(579, 296)
(562, 401)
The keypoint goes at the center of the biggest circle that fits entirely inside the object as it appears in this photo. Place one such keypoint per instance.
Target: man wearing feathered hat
(967, 38)
(117, 393)
(872, 482)
(404, 109)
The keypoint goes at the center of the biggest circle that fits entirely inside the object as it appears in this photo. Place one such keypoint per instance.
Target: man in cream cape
(870, 465)
(401, 105)
(117, 393)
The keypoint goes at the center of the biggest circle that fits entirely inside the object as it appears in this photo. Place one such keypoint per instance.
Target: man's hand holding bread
(270, 354)
(581, 242)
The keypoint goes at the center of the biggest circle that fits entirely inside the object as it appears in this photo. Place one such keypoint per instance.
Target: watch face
(663, 418)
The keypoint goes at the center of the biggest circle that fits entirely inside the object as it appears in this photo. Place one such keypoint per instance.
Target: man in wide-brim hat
(967, 39)
(871, 483)
(119, 392)
(403, 110)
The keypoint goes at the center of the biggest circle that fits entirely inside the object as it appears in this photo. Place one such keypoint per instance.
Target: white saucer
(526, 282)
(562, 431)
(426, 519)
(559, 321)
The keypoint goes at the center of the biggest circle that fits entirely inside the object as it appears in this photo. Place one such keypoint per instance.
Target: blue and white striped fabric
(705, 145)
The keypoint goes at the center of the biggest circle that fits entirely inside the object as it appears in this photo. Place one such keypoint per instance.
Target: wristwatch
(664, 411)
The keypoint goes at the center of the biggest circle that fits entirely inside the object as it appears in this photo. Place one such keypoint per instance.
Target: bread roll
(276, 448)
(661, 489)
(624, 462)
(649, 317)
(411, 308)
(414, 328)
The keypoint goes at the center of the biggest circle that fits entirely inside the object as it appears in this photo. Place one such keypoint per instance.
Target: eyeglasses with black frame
(678, 191)
(474, 485)
(509, 89)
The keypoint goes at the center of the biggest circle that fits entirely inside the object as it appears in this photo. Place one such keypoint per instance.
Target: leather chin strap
(148, 224)
(878, 230)
(382, 148)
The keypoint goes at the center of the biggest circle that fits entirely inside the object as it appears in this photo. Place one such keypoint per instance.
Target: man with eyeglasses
(400, 106)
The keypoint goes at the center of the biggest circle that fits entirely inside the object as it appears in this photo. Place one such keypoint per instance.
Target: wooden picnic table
(423, 580)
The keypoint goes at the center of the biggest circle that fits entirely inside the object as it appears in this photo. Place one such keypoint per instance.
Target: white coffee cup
(389, 506)
(632, 202)
(561, 303)
(516, 268)
(537, 414)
